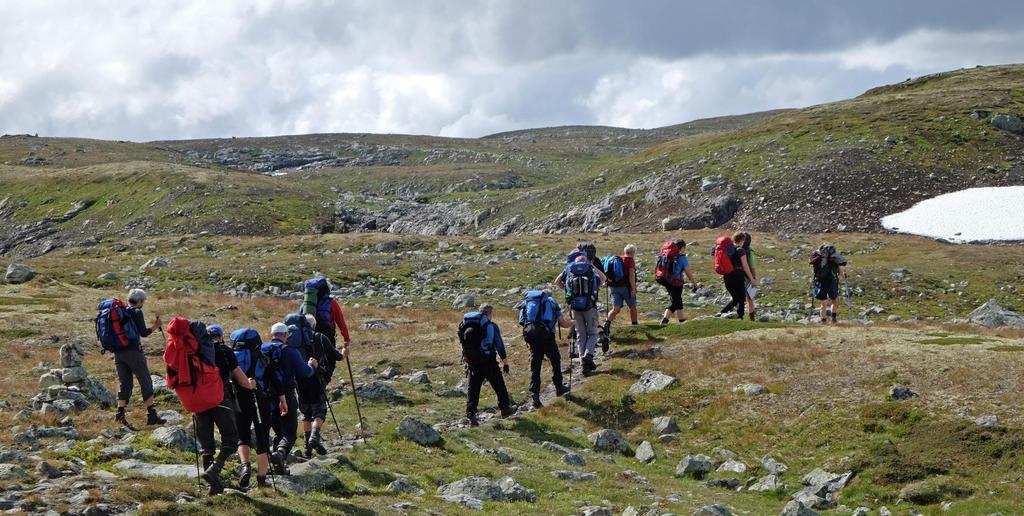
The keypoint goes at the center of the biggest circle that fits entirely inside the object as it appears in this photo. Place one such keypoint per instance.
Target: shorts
(317, 409)
(823, 291)
(623, 296)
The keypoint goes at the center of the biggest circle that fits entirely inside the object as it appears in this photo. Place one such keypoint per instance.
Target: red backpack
(666, 262)
(724, 249)
(197, 382)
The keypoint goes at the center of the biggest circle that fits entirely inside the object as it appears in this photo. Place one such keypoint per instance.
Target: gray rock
(901, 393)
(645, 452)
(464, 301)
(608, 440)
(732, 484)
(515, 492)
(377, 391)
(402, 486)
(98, 392)
(174, 437)
(480, 488)
(550, 446)
(390, 373)
(796, 508)
(810, 498)
(750, 389)
(992, 315)
(379, 324)
(573, 459)
(664, 425)
(818, 477)
(1007, 122)
(767, 483)
(695, 466)
(713, 510)
(107, 276)
(313, 476)
(136, 467)
(159, 383)
(419, 378)
(465, 500)
(73, 374)
(405, 506)
(49, 379)
(594, 510)
(47, 470)
(71, 355)
(12, 472)
(418, 432)
(732, 466)
(154, 263)
(773, 466)
(117, 451)
(652, 381)
(172, 417)
(710, 183)
(286, 484)
(987, 421)
(575, 476)
(861, 511)
(19, 273)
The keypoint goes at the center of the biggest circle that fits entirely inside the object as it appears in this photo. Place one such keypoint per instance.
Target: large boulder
(696, 466)
(136, 467)
(19, 273)
(480, 488)
(992, 315)
(665, 425)
(418, 432)
(652, 381)
(1007, 122)
(645, 452)
(174, 437)
(313, 476)
(608, 440)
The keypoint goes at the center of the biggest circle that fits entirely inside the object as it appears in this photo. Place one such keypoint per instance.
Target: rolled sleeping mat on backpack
(309, 301)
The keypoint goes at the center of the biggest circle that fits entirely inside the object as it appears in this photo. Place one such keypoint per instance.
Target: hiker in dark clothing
(256, 407)
(828, 265)
(483, 365)
(540, 316)
(223, 415)
(130, 363)
(312, 391)
(749, 289)
(292, 365)
(735, 282)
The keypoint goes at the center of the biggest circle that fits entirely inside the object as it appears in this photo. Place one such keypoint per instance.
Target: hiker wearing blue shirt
(540, 316)
(482, 345)
(290, 364)
(582, 283)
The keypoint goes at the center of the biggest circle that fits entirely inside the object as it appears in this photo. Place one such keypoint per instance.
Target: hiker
(482, 345)
(622, 286)
(287, 359)
(730, 260)
(828, 265)
(748, 287)
(312, 391)
(223, 415)
(319, 303)
(540, 316)
(671, 272)
(581, 281)
(131, 361)
(587, 249)
(255, 407)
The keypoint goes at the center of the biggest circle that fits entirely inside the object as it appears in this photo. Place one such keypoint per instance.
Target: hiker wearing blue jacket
(289, 364)
(540, 316)
(482, 345)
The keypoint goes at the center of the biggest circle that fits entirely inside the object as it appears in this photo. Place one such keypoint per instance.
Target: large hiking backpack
(826, 262)
(722, 255)
(273, 353)
(472, 332)
(536, 314)
(191, 368)
(614, 268)
(246, 344)
(667, 258)
(580, 289)
(318, 303)
(300, 335)
(115, 329)
(587, 249)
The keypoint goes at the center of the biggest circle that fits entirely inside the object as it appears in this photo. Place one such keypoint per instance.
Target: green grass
(1007, 348)
(954, 341)
(18, 333)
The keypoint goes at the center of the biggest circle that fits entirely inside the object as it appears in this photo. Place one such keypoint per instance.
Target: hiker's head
(486, 309)
(136, 297)
(279, 331)
(680, 244)
(630, 250)
(738, 238)
(311, 321)
(581, 259)
(746, 240)
(215, 331)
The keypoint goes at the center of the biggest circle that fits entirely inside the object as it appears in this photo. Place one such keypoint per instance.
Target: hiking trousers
(253, 429)
(586, 331)
(735, 283)
(223, 417)
(489, 371)
(676, 294)
(131, 364)
(544, 346)
(286, 426)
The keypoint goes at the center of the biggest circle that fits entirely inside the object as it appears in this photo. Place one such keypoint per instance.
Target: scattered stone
(172, 417)
(157, 263)
(645, 452)
(418, 432)
(117, 451)
(724, 453)
(107, 276)
(515, 492)
(405, 506)
(12, 472)
(633, 476)
(466, 500)
(987, 421)
(767, 483)
(713, 510)
(550, 446)
(47, 470)
(664, 425)
(992, 315)
(608, 440)
(1007, 122)
(797, 508)
(402, 486)
(773, 466)
(695, 466)
(19, 273)
(480, 488)
(136, 467)
(731, 484)
(594, 510)
(732, 466)
(464, 301)
(389, 373)
(379, 324)
(174, 437)
(652, 381)
(574, 459)
(750, 389)
(419, 378)
(901, 393)
(573, 475)
(377, 391)
(313, 476)
(666, 438)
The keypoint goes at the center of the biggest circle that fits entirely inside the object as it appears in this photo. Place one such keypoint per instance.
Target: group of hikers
(246, 387)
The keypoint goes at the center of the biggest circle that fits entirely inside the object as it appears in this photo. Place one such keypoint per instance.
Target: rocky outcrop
(992, 315)
(70, 388)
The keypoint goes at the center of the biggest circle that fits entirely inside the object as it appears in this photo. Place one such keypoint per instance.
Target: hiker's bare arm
(632, 280)
(558, 280)
(604, 279)
(746, 269)
(690, 276)
(241, 379)
(565, 323)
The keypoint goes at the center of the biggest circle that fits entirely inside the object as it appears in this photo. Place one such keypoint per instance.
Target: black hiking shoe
(834, 317)
(562, 390)
(261, 482)
(277, 463)
(573, 354)
(152, 418)
(122, 418)
(508, 411)
(314, 444)
(606, 343)
(244, 476)
(473, 421)
(537, 403)
(664, 321)
(320, 450)
(607, 327)
(212, 477)
(589, 365)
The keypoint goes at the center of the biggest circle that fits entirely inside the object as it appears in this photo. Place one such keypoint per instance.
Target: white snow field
(972, 215)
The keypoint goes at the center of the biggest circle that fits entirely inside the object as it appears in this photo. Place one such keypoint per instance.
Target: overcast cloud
(189, 69)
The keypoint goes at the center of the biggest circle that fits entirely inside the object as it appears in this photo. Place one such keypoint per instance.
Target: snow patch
(971, 215)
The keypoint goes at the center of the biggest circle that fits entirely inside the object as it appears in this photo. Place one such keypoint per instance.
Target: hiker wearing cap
(582, 281)
(623, 290)
(291, 365)
(482, 345)
(223, 415)
(130, 362)
(828, 265)
(540, 316)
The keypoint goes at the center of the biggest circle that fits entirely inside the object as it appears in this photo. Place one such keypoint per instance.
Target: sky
(142, 71)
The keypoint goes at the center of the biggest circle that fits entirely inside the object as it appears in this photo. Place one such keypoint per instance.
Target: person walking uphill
(623, 287)
(255, 407)
(540, 316)
(749, 289)
(671, 272)
(130, 362)
(730, 260)
(319, 303)
(581, 281)
(828, 265)
(288, 360)
(482, 345)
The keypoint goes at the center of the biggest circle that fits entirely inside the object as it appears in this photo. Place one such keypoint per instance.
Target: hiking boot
(152, 418)
(244, 476)
(277, 463)
(635, 323)
(537, 403)
(751, 314)
(473, 421)
(507, 411)
(212, 477)
(320, 450)
(261, 482)
(588, 364)
(573, 354)
(607, 328)
(122, 418)
(562, 390)
(834, 316)
(664, 321)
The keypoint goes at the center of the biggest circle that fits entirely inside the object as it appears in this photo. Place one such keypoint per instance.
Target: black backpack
(825, 268)
(472, 332)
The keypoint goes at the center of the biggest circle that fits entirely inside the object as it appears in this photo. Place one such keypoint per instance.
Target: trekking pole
(351, 380)
(195, 450)
(323, 389)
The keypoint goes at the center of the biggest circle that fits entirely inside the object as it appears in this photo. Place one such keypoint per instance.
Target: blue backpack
(246, 344)
(614, 269)
(472, 331)
(115, 329)
(272, 352)
(581, 286)
(537, 308)
(300, 335)
(324, 323)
